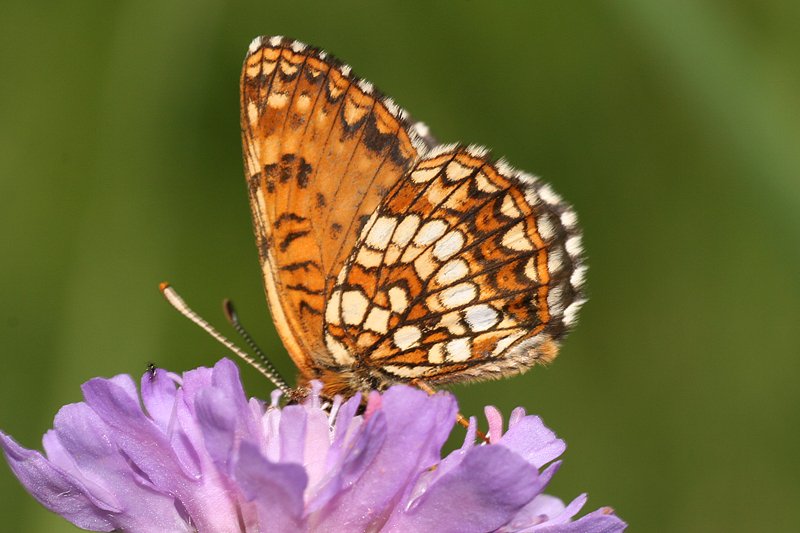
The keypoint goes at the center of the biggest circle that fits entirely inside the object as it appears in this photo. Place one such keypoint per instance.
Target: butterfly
(388, 258)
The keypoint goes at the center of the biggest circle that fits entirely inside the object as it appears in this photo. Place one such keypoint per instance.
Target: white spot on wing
(338, 351)
(436, 354)
(458, 295)
(275, 40)
(555, 300)
(406, 230)
(555, 259)
(365, 86)
(452, 322)
(509, 208)
(573, 245)
(545, 227)
(421, 129)
(391, 107)
(459, 350)
(440, 149)
(481, 317)
(516, 239)
(255, 44)
(430, 231)
(424, 175)
(456, 171)
(398, 299)
(477, 151)
(452, 271)
(569, 219)
(407, 337)
(571, 312)
(277, 100)
(406, 371)
(531, 271)
(378, 320)
(549, 195)
(507, 341)
(369, 258)
(448, 246)
(380, 233)
(578, 277)
(332, 309)
(354, 305)
(484, 185)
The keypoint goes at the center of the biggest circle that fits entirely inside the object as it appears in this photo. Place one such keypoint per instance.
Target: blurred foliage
(673, 127)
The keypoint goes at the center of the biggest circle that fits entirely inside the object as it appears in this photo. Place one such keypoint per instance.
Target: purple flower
(196, 455)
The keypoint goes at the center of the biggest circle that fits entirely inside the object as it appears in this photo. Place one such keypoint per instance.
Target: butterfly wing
(321, 149)
(467, 270)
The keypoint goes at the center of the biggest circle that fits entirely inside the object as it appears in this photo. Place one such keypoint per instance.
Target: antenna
(267, 369)
(233, 319)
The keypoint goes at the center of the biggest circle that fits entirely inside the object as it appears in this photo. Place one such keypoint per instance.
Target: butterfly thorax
(346, 382)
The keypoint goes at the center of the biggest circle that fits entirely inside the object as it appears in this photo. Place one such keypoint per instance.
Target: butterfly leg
(461, 419)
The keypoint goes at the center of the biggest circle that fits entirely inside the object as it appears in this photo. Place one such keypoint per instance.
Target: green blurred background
(673, 127)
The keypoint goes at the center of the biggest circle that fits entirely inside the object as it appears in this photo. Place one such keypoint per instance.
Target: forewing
(321, 150)
(467, 270)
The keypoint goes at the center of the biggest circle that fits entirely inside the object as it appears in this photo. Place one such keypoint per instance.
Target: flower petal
(217, 421)
(276, 489)
(417, 426)
(489, 486)
(108, 474)
(158, 396)
(534, 441)
(602, 520)
(346, 466)
(292, 432)
(205, 499)
(55, 489)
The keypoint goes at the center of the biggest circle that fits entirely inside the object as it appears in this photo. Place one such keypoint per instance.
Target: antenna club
(229, 310)
(163, 286)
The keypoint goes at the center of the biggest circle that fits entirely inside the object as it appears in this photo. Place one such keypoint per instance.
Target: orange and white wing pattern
(321, 149)
(386, 259)
(467, 270)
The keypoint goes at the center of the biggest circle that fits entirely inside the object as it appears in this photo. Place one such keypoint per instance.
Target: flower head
(195, 455)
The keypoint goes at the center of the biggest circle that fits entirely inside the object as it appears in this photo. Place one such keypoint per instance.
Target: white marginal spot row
(365, 86)
(255, 44)
(477, 151)
(441, 149)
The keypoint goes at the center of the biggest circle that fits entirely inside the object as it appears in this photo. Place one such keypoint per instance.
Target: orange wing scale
(463, 273)
(386, 260)
(315, 140)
